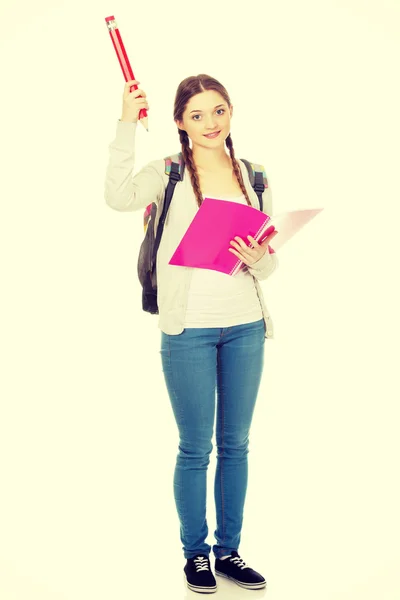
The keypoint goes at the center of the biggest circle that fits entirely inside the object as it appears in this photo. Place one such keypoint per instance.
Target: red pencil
(124, 62)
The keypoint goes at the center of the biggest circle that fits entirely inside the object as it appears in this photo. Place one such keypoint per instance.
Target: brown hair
(189, 87)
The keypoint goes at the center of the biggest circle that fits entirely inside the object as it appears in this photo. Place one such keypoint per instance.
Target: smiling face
(206, 113)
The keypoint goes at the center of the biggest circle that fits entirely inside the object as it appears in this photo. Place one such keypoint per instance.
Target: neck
(211, 159)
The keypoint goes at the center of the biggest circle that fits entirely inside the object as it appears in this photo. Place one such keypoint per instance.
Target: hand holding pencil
(133, 102)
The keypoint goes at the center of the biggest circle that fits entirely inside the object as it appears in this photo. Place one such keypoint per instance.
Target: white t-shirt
(219, 300)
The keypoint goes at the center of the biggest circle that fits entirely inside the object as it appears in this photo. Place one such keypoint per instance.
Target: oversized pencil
(124, 62)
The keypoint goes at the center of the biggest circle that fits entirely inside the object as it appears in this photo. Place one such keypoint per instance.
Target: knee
(233, 447)
(191, 452)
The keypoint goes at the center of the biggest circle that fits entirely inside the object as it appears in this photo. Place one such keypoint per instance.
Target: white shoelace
(239, 562)
(201, 564)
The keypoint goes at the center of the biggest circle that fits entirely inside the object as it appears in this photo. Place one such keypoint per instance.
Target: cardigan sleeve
(269, 262)
(124, 191)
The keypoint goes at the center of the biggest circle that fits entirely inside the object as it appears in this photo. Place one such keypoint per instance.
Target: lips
(213, 135)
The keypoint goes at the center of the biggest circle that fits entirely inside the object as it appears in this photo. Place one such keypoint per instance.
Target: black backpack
(174, 167)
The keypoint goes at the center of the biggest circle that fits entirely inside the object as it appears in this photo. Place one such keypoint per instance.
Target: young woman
(213, 326)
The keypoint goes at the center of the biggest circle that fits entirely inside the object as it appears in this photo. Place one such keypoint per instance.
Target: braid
(188, 160)
(236, 168)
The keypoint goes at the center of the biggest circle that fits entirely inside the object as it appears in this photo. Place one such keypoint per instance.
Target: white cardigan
(124, 191)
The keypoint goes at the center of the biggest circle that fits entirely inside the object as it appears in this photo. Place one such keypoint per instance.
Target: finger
(254, 245)
(269, 238)
(241, 243)
(128, 85)
(245, 253)
(242, 258)
(137, 93)
(238, 246)
(253, 241)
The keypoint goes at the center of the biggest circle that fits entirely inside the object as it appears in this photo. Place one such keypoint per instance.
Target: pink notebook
(206, 242)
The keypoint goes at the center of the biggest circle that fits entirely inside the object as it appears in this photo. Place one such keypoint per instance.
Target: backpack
(174, 168)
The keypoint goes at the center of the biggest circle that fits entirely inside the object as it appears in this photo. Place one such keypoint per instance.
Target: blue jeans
(198, 363)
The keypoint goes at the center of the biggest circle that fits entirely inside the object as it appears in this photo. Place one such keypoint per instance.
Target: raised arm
(124, 191)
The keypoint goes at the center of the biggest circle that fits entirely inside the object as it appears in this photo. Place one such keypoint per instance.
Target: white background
(87, 436)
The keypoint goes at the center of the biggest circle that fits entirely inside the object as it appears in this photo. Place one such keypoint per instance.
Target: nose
(211, 125)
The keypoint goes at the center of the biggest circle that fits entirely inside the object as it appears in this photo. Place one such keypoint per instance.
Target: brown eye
(194, 119)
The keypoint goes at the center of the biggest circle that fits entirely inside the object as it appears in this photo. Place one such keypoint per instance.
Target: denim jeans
(200, 365)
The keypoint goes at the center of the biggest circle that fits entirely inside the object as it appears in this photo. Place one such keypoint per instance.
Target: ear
(179, 124)
(231, 110)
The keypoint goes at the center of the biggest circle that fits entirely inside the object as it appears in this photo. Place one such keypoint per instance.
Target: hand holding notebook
(250, 254)
(206, 243)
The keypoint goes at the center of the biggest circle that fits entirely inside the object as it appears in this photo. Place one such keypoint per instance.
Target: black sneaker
(199, 577)
(235, 568)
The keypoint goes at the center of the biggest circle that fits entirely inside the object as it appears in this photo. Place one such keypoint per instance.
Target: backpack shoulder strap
(176, 159)
(258, 178)
(174, 168)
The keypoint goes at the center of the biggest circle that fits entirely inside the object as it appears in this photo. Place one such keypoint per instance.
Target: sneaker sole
(200, 589)
(247, 586)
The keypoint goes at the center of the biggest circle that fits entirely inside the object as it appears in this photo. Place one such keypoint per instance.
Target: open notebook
(206, 242)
